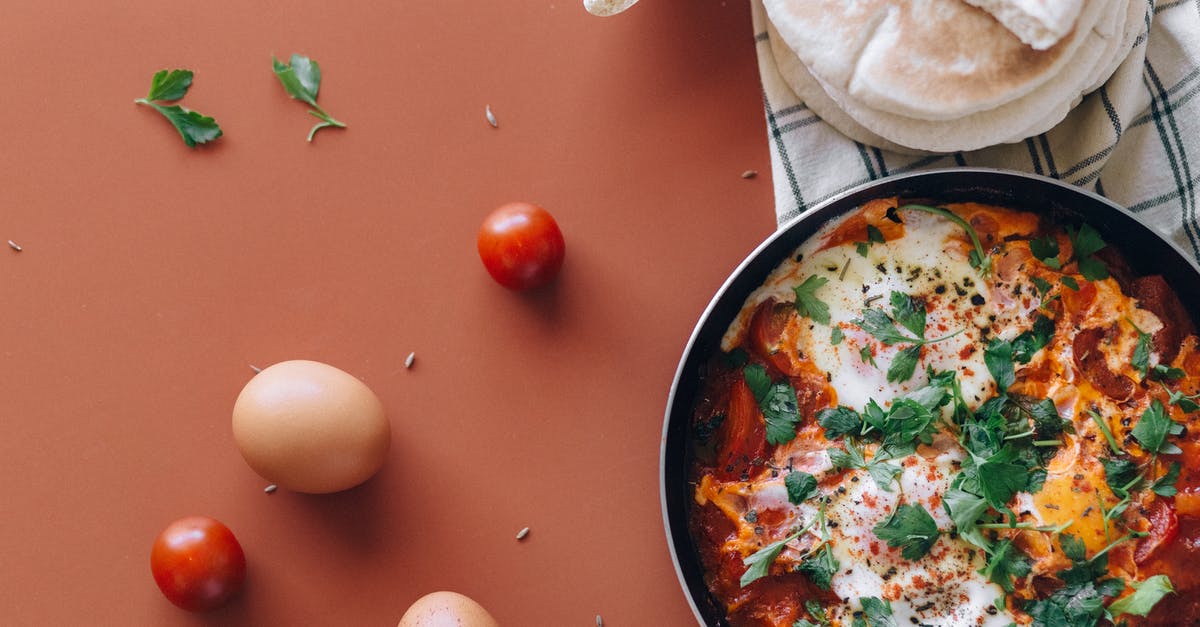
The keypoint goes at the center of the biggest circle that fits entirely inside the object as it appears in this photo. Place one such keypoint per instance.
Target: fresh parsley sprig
(807, 303)
(777, 401)
(302, 80)
(1085, 243)
(169, 86)
(978, 258)
(909, 313)
(911, 529)
(1152, 430)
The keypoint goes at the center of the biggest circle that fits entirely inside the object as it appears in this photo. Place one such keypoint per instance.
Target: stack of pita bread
(948, 75)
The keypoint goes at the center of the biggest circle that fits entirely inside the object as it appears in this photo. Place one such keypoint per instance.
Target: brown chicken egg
(310, 427)
(447, 609)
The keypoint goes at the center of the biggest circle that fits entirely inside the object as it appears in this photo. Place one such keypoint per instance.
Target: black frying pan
(1146, 251)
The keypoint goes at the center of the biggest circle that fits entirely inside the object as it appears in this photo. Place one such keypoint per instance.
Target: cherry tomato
(197, 563)
(521, 246)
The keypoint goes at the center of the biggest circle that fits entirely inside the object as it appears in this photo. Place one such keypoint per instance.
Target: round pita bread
(923, 59)
(1031, 115)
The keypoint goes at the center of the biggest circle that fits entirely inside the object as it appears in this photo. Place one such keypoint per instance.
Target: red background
(153, 275)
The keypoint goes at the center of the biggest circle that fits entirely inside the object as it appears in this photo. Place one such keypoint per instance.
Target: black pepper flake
(991, 609)
(893, 215)
(866, 288)
(881, 268)
(941, 289)
(977, 300)
(924, 608)
(832, 524)
(799, 258)
(854, 479)
(968, 281)
(960, 291)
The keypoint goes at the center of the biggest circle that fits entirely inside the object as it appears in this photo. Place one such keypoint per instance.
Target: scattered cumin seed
(15, 246)
(842, 276)
(408, 361)
(491, 117)
(749, 174)
(271, 488)
(522, 533)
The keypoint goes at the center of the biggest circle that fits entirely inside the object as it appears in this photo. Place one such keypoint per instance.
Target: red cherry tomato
(197, 563)
(521, 246)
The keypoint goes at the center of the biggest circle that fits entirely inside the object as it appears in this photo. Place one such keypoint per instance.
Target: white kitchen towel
(1136, 140)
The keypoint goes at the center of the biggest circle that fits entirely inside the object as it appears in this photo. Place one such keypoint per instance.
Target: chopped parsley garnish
(909, 313)
(1162, 372)
(1154, 427)
(877, 612)
(1085, 243)
(777, 401)
(998, 357)
(836, 336)
(1165, 485)
(815, 612)
(1028, 343)
(1070, 282)
(839, 421)
(1045, 250)
(807, 303)
(1183, 401)
(874, 236)
(1146, 594)
(800, 485)
(882, 473)
(1141, 352)
(759, 562)
(978, 257)
(823, 564)
(1004, 563)
(820, 567)
(1121, 475)
(910, 529)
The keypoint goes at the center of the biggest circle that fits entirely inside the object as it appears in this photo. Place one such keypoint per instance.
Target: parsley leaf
(882, 328)
(998, 357)
(169, 86)
(816, 612)
(1046, 419)
(759, 562)
(910, 529)
(909, 312)
(839, 421)
(1141, 353)
(878, 612)
(1087, 242)
(193, 127)
(1119, 473)
(1078, 605)
(1146, 594)
(904, 364)
(807, 303)
(1045, 249)
(978, 257)
(1152, 430)
(1004, 563)
(1162, 372)
(302, 80)
(820, 567)
(965, 509)
(1043, 286)
(800, 485)
(1070, 282)
(865, 355)
(836, 336)
(999, 479)
(1165, 485)
(1030, 342)
(777, 401)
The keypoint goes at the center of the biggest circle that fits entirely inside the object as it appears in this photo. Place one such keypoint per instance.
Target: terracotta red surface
(152, 276)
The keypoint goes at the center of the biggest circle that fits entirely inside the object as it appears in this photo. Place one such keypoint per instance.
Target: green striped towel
(1136, 140)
